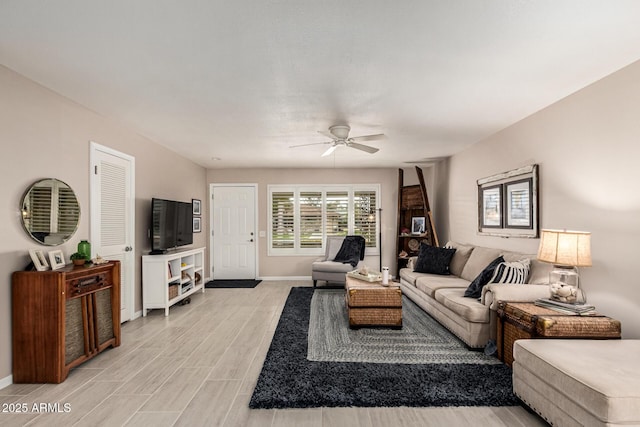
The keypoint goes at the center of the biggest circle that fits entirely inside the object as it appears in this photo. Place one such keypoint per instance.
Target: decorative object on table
(564, 307)
(566, 250)
(197, 225)
(98, 260)
(78, 259)
(84, 248)
(366, 275)
(403, 254)
(417, 225)
(405, 231)
(414, 245)
(56, 258)
(385, 276)
(196, 204)
(508, 203)
(39, 260)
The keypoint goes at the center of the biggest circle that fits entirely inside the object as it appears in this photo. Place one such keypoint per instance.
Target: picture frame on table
(39, 260)
(56, 258)
(197, 206)
(197, 225)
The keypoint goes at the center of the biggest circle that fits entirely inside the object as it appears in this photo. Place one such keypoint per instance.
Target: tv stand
(171, 278)
(158, 252)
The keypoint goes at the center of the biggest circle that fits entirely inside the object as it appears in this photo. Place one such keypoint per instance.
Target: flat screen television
(171, 225)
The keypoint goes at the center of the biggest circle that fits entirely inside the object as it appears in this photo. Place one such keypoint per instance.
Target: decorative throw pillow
(475, 288)
(512, 272)
(433, 260)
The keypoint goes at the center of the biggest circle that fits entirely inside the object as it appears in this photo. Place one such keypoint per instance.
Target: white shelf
(158, 273)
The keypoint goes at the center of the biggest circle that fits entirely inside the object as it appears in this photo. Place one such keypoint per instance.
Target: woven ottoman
(579, 382)
(371, 304)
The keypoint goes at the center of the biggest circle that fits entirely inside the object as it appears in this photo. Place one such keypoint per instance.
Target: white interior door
(113, 216)
(233, 228)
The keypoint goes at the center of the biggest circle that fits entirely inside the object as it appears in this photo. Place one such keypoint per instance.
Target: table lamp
(566, 250)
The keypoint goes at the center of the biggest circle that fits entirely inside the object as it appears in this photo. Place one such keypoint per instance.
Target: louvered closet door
(113, 218)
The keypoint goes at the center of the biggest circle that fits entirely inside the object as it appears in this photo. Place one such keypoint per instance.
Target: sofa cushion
(434, 260)
(539, 272)
(331, 267)
(469, 309)
(478, 260)
(512, 272)
(430, 283)
(410, 276)
(460, 258)
(475, 288)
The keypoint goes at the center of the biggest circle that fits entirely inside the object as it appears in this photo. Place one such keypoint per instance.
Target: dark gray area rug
(289, 380)
(421, 340)
(232, 283)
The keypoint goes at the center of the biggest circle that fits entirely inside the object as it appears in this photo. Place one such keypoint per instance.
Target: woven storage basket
(173, 291)
(526, 320)
(375, 317)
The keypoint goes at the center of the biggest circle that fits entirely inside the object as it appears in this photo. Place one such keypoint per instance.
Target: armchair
(326, 268)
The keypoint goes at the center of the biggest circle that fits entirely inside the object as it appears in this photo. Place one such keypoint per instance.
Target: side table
(518, 320)
(371, 304)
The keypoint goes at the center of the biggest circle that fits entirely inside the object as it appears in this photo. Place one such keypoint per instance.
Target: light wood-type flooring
(198, 367)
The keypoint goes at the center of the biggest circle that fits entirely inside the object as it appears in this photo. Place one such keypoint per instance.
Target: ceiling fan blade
(327, 134)
(364, 138)
(366, 148)
(313, 143)
(329, 151)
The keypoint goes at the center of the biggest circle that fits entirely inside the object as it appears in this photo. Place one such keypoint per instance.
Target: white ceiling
(243, 80)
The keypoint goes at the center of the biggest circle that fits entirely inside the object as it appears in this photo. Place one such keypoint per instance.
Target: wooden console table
(63, 318)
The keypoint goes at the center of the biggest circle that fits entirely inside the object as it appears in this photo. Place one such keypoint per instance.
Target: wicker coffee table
(371, 304)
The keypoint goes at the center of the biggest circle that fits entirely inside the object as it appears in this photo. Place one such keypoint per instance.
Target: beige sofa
(472, 320)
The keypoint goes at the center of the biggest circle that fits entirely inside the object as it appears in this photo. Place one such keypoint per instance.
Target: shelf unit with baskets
(170, 278)
(412, 202)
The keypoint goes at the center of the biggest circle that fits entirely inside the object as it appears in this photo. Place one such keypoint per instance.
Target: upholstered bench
(579, 382)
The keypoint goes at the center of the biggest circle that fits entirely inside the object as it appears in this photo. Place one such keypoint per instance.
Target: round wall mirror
(50, 212)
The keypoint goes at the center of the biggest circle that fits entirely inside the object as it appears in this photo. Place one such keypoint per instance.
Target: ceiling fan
(339, 135)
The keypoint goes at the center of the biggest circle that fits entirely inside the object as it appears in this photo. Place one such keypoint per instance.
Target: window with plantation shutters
(365, 216)
(337, 215)
(302, 216)
(69, 211)
(282, 218)
(311, 219)
(40, 199)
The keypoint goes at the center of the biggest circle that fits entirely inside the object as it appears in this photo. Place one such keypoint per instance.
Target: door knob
(251, 240)
(128, 249)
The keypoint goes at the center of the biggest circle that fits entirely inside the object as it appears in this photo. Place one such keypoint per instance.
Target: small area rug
(289, 380)
(232, 283)
(421, 340)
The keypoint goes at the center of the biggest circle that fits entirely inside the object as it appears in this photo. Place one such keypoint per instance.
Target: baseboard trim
(6, 381)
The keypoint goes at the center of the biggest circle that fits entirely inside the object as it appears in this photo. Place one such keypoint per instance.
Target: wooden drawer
(83, 285)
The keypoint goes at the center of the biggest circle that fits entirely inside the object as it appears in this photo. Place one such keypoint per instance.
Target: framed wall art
(417, 225)
(197, 225)
(508, 203)
(196, 206)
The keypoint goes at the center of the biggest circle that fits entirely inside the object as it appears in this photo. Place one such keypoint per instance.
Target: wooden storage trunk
(518, 320)
(371, 304)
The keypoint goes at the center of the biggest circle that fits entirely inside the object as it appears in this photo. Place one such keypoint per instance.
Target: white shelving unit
(170, 278)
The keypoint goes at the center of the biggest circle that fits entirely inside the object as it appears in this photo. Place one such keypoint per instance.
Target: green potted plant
(78, 259)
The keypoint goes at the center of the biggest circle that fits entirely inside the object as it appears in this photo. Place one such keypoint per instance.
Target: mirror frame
(24, 212)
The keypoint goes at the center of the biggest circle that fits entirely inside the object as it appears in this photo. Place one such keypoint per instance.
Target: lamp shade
(563, 247)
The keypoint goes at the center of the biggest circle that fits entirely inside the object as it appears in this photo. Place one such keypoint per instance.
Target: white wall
(588, 148)
(46, 135)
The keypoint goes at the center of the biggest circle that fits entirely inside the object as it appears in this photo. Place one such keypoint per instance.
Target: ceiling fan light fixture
(340, 131)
